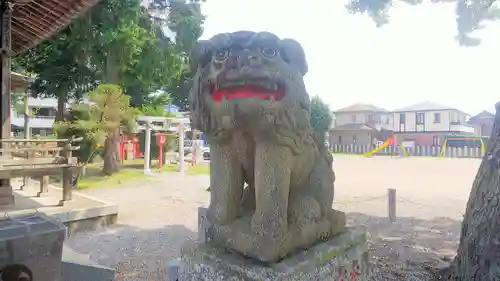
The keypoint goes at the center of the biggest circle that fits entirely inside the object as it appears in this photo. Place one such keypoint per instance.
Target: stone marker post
(391, 205)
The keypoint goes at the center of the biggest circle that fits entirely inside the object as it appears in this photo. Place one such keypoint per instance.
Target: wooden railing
(40, 158)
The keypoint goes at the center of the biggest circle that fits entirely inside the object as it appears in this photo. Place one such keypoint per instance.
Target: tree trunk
(112, 142)
(112, 153)
(61, 107)
(478, 254)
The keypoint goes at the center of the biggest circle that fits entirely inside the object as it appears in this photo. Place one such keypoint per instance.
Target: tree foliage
(60, 68)
(118, 42)
(107, 111)
(471, 14)
(185, 21)
(321, 115)
(156, 105)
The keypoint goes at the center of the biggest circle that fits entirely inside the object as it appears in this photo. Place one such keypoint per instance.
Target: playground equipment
(390, 141)
(469, 141)
(386, 143)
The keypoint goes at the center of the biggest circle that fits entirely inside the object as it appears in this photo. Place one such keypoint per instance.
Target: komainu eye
(221, 54)
(269, 52)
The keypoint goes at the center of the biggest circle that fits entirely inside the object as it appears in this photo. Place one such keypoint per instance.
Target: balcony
(456, 126)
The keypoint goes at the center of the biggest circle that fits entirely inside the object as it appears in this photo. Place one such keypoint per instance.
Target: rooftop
(481, 116)
(354, 127)
(357, 107)
(426, 105)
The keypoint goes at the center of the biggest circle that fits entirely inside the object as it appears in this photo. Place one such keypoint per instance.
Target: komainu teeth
(225, 103)
(226, 122)
(271, 100)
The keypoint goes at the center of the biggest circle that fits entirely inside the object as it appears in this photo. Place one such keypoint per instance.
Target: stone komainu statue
(249, 98)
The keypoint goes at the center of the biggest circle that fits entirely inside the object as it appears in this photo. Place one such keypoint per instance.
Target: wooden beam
(35, 172)
(41, 140)
(37, 149)
(35, 161)
(6, 195)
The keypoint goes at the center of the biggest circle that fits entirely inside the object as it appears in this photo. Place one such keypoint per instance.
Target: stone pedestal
(31, 247)
(6, 195)
(344, 257)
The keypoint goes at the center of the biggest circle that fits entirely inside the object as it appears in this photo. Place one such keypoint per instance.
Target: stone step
(78, 267)
(7, 200)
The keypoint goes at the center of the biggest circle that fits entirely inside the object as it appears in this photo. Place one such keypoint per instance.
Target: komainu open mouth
(247, 89)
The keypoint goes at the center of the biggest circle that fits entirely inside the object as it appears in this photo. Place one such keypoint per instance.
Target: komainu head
(249, 79)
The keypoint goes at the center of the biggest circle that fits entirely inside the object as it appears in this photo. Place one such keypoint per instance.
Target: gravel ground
(159, 215)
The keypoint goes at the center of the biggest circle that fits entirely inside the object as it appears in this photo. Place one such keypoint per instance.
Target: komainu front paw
(259, 224)
(303, 210)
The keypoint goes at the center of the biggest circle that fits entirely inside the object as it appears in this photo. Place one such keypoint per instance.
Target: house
(43, 114)
(428, 123)
(482, 123)
(360, 124)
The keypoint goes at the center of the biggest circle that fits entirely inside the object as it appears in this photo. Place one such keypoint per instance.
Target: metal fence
(430, 151)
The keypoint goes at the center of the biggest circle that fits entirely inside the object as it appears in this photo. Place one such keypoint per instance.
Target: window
(402, 118)
(354, 139)
(420, 118)
(435, 140)
(353, 118)
(371, 119)
(437, 118)
(340, 139)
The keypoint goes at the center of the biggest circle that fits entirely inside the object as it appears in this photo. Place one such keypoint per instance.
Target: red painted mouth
(242, 92)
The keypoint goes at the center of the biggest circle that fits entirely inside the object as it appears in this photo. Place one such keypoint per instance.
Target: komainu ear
(293, 53)
(200, 54)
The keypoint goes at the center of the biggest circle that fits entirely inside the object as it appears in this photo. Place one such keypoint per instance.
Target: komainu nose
(248, 59)
(232, 62)
(242, 59)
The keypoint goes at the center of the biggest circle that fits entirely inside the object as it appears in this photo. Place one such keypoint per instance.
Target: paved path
(158, 215)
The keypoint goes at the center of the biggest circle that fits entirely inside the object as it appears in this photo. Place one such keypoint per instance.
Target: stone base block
(78, 267)
(6, 196)
(74, 271)
(344, 257)
(7, 200)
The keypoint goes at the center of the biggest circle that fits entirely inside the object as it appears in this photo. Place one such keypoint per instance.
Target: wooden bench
(20, 159)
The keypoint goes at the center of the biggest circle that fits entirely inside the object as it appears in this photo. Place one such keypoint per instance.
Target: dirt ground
(431, 197)
(425, 187)
(431, 193)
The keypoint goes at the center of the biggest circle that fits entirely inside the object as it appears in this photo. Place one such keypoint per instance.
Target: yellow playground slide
(384, 145)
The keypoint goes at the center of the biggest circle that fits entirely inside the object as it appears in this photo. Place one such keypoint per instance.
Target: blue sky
(412, 59)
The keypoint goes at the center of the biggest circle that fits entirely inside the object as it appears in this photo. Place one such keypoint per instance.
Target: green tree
(118, 42)
(156, 105)
(321, 118)
(477, 254)
(321, 115)
(185, 20)
(60, 68)
(98, 121)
